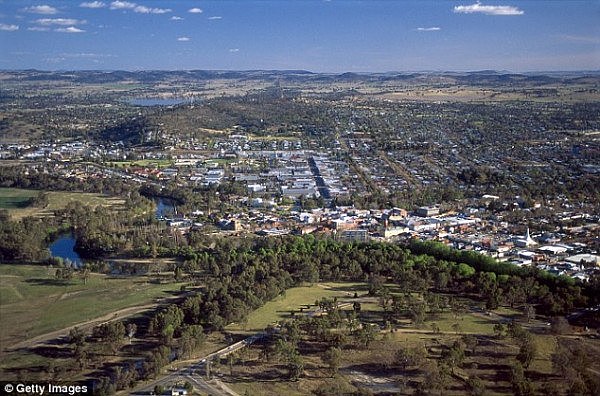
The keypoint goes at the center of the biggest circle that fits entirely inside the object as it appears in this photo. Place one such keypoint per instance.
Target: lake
(147, 102)
(63, 248)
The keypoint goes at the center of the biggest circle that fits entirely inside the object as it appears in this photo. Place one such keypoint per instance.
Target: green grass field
(32, 303)
(294, 298)
(14, 200)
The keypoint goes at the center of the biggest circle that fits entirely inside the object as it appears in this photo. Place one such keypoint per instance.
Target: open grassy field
(15, 199)
(33, 303)
(294, 298)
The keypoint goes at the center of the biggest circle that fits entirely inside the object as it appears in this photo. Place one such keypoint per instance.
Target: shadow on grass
(270, 374)
(52, 352)
(50, 282)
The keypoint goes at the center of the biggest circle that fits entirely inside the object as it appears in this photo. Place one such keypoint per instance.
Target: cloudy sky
(315, 35)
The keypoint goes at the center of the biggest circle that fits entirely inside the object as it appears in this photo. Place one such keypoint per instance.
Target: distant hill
(481, 77)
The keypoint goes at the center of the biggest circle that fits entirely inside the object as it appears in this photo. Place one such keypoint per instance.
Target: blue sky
(315, 35)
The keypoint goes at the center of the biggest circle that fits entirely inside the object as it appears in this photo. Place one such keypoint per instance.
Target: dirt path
(116, 315)
(225, 388)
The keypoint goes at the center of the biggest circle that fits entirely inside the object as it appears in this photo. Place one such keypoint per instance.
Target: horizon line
(502, 71)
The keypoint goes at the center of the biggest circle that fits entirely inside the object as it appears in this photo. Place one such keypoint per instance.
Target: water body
(164, 207)
(63, 248)
(148, 102)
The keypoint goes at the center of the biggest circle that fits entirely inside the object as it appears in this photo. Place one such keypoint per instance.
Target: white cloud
(487, 9)
(8, 28)
(122, 5)
(147, 10)
(234, 50)
(93, 4)
(195, 10)
(59, 21)
(176, 18)
(42, 9)
(429, 29)
(140, 9)
(183, 38)
(70, 29)
(38, 29)
(213, 18)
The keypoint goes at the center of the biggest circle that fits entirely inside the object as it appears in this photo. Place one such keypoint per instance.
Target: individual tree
(192, 338)
(295, 366)
(288, 353)
(559, 325)
(159, 390)
(470, 342)
(456, 327)
(527, 351)
(437, 377)
(418, 313)
(476, 386)
(333, 358)
(499, 330)
(84, 273)
(365, 335)
(454, 356)
(111, 333)
(231, 360)
(76, 337)
(131, 329)
(413, 356)
(529, 312)
(520, 384)
(4, 216)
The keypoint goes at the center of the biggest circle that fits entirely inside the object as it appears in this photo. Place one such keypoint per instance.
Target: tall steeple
(528, 240)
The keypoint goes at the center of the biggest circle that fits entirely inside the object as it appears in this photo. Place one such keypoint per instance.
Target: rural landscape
(234, 229)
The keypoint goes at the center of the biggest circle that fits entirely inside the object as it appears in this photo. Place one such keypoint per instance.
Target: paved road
(194, 372)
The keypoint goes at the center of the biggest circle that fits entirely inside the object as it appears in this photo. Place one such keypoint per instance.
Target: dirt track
(120, 314)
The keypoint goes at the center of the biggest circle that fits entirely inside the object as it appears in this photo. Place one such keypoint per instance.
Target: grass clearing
(33, 303)
(546, 345)
(294, 298)
(14, 200)
(467, 323)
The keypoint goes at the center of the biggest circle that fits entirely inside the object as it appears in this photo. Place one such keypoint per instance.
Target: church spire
(528, 240)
